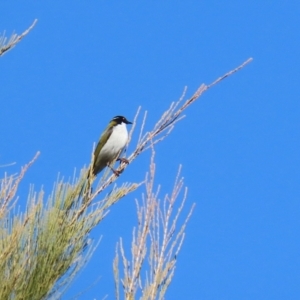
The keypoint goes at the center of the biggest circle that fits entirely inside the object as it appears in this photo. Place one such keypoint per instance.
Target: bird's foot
(123, 159)
(116, 172)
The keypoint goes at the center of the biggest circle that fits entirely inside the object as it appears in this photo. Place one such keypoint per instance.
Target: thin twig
(15, 39)
(14, 188)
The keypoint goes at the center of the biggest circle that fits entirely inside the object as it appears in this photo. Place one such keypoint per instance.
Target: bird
(111, 144)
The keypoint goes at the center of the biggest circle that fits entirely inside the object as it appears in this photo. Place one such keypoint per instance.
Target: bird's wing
(103, 139)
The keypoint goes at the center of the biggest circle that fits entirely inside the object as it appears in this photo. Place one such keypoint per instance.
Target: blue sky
(84, 63)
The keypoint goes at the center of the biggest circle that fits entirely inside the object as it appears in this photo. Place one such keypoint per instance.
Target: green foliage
(42, 249)
(43, 244)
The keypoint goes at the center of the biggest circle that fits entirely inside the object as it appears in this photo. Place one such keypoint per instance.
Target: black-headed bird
(111, 144)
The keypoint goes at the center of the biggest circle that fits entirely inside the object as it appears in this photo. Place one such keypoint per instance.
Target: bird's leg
(116, 172)
(120, 159)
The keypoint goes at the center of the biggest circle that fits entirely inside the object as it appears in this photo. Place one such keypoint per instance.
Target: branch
(13, 40)
(157, 241)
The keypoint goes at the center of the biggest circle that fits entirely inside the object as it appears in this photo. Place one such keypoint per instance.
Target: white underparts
(114, 145)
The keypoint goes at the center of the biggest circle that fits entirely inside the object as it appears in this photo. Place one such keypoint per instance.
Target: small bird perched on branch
(111, 144)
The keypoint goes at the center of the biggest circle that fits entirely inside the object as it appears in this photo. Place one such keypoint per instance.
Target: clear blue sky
(86, 62)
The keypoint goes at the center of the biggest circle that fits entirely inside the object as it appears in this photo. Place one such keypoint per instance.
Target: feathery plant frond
(157, 240)
(9, 186)
(42, 249)
(6, 44)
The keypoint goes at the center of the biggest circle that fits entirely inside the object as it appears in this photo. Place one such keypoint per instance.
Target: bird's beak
(128, 122)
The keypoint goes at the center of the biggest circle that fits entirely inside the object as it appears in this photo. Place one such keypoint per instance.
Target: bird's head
(119, 120)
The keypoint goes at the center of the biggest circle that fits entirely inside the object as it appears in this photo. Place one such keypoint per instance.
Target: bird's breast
(116, 142)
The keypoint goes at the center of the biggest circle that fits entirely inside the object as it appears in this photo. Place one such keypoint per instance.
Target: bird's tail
(86, 189)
